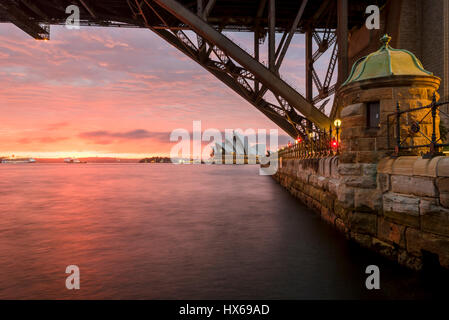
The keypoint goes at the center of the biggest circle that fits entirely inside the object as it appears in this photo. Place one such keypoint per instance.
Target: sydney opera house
(237, 150)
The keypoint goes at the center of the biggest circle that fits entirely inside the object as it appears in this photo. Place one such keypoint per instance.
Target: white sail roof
(239, 143)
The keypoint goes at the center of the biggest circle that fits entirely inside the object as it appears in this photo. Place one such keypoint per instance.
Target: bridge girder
(260, 85)
(237, 68)
(20, 19)
(231, 75)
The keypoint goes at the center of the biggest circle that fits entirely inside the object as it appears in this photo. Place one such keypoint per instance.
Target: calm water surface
(165, 231)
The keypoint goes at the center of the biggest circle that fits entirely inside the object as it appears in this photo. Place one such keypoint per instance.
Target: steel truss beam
(22, 20)
(237, 69)
(235, 77)
(325, 39)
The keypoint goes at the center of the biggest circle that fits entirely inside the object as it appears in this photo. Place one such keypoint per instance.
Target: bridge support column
(446, 54)
(272, 35)
(342, 36)
(309, 66)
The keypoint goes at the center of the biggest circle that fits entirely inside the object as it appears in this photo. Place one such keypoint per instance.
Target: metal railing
(317, 144)
(411, 130)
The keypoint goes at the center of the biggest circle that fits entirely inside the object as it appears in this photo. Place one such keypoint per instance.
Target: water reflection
(165, 232)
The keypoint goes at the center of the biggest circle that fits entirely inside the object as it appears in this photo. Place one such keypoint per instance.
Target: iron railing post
(433, 146)
(398, 129)
(338, 140)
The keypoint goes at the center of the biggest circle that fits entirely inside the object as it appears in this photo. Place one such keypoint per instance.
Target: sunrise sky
(113, 92)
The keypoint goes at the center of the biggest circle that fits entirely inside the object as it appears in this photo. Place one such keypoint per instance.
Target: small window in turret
(373, 115)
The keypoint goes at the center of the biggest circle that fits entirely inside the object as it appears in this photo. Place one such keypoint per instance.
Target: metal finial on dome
(385, 40)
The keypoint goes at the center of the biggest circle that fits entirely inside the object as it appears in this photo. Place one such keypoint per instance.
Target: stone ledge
(385, 165)
(415, 166)
(443, 167)
(404, 165)
(426, 167)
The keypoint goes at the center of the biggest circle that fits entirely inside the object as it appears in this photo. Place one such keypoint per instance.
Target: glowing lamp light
(299, 140)
(337, 123)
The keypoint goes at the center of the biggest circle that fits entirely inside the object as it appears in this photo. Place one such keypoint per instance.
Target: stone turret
(376, 84)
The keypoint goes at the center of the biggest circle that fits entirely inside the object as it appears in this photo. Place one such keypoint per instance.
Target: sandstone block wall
(368, 145)
(399, 207)
(415, 204)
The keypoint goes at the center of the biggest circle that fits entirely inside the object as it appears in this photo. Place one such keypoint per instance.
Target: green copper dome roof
(386, 62)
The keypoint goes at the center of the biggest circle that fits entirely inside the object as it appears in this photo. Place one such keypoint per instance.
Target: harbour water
(162, 231)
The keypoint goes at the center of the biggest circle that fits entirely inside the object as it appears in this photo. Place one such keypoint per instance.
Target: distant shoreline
(88, 160)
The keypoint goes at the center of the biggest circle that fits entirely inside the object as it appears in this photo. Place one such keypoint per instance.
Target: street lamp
(337, 124)
(312, 135)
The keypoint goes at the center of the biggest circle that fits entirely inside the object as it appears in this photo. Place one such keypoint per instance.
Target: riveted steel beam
(23, 21)
(290, 34)
(233, 76)
(265, 76)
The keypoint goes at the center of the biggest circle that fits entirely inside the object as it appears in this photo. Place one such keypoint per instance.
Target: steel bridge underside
(325, 23)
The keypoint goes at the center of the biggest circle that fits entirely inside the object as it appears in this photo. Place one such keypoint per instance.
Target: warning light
(299, 140)
(334, 144)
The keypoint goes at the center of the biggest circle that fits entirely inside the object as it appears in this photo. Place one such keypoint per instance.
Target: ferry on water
(72, 160)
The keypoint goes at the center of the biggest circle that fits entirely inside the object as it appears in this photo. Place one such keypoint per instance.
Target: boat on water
(18, 160)
(72, 160)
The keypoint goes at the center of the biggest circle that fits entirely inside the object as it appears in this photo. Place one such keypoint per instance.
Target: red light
(334, 144)
(299, 140)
